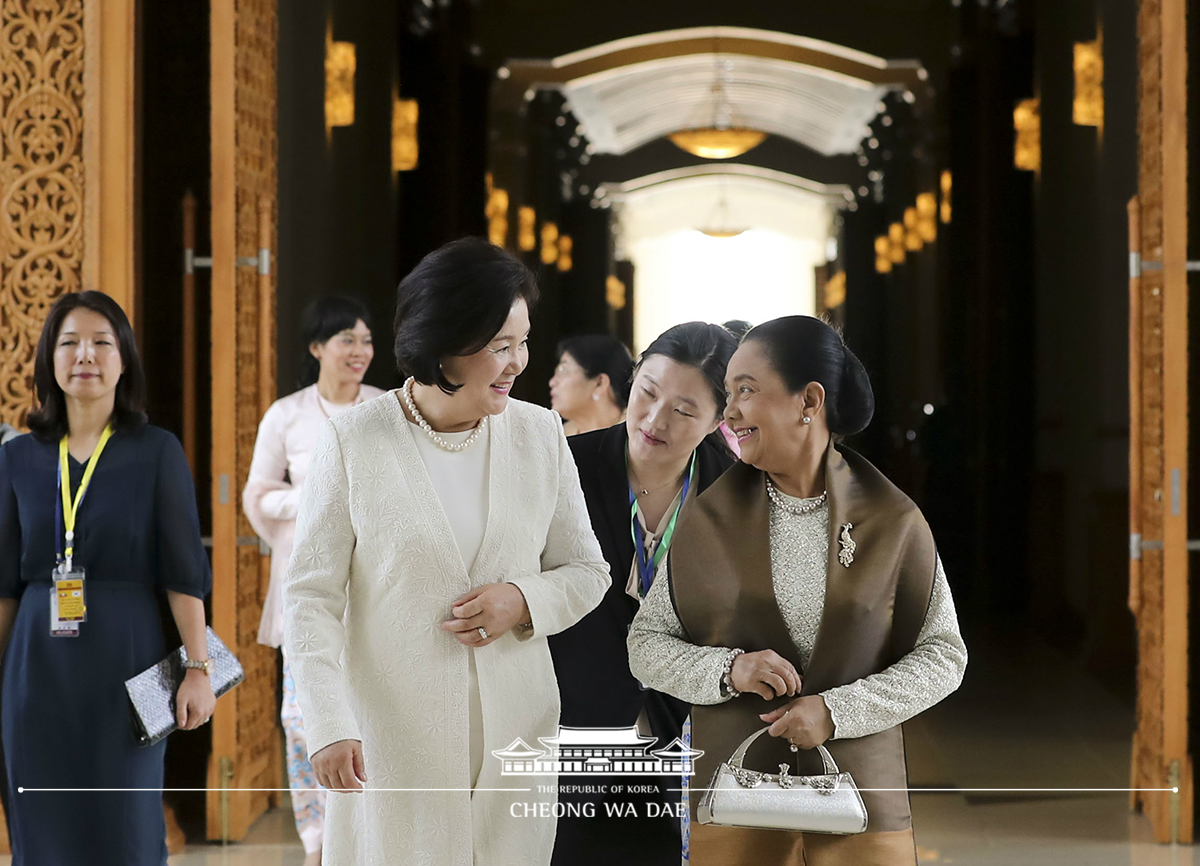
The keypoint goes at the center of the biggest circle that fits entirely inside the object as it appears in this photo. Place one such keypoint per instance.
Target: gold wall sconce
(883, 255)
(912, 237)
(496, 211)
(896, 250)
(340, 63)
(1027, 121)
(549, 243)
(526, 225)
(835, 290)
(1088, 108)
(927, 208)
(565, 247)
(405, 152)
(615, 293)
(947, 183)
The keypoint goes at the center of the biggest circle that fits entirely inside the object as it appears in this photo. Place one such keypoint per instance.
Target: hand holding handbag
(828, 803)
(152, 692)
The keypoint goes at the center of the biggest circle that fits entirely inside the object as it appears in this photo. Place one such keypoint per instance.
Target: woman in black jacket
(636, 477)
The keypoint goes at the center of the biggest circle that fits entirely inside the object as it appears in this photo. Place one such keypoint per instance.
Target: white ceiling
(622, 109)
(632, 91)
(754, 198)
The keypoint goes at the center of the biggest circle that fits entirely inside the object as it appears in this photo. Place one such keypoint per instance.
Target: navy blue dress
(66, 715)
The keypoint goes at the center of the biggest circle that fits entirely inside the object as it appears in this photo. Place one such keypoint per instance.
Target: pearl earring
(595, 396)
(807, 420)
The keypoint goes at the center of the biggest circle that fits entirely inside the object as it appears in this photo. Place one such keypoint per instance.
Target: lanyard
(67, 510)
(647, 568)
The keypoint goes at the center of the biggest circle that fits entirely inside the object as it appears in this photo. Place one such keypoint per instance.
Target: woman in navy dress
(66, 715)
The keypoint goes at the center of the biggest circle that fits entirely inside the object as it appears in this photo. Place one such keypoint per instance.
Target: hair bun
(856, 398)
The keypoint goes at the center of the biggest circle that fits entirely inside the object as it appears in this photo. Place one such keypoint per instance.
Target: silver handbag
(738, 797)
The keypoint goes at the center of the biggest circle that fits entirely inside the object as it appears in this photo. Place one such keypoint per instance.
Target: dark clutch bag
(152, 692)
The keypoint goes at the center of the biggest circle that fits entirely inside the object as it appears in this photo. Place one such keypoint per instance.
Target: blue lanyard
(647, 567)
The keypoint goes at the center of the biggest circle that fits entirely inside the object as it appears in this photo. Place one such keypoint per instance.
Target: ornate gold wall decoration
(1027, 121)
(835, 291)
(549, 243)
(41, 180)
(615, 292)
(341, 60)
(526, 229)
(927, 208)
(496, 211)
(1088, 108)
(947, 184)
(565, 247)
(883, 255)
(896, 250)
(913, 241)
(405, 151)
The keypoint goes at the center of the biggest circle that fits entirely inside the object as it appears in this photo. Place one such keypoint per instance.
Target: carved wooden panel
(247, 735)
(41, 180)
(1159, 400)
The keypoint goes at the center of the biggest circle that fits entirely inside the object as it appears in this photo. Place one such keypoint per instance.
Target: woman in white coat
(337, 337)
(442, 536)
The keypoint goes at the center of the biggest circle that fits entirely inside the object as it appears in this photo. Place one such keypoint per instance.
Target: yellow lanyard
(71, 508)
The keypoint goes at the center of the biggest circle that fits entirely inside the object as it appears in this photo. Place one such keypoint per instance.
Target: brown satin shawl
(720, 579)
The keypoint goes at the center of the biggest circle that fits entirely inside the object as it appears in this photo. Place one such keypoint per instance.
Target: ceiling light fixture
(724, 137)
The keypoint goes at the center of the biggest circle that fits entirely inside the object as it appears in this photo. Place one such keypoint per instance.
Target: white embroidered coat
(373, 543)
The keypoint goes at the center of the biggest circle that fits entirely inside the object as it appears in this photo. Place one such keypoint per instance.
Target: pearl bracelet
(727, 675)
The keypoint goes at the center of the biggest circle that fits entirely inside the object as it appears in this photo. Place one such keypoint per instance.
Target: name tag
(68, 603)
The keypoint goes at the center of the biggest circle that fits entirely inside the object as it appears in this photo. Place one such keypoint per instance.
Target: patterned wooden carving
(258, 763)
(1156, 592)
(41, 180)
(247, 735)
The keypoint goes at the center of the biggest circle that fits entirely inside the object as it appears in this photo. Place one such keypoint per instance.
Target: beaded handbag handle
(739, 755)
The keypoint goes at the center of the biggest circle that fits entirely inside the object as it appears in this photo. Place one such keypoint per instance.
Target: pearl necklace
(436, 437)
(806, 508)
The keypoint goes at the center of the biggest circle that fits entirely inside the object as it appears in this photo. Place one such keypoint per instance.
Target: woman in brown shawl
(804, 592)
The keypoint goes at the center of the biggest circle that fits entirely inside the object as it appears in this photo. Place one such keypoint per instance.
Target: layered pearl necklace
(437, 439)
(806, 507)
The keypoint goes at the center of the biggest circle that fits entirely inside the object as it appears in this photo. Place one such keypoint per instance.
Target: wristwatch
(199, 665)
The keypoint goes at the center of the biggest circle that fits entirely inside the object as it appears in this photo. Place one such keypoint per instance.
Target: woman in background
(125, 515)
(636, 477)
(337, 336)
(590, 386)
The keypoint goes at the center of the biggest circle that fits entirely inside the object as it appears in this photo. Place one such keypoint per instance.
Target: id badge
(68, 603)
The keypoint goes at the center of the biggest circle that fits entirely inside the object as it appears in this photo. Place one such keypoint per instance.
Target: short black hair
(322, 319)
(453, 303)
(600, 353)
(804, 349)
(48, 421)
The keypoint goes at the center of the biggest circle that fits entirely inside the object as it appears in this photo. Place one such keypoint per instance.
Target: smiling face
(767, 419)
(87, 358)
(488, 375)
(671, 410)
(345, 356)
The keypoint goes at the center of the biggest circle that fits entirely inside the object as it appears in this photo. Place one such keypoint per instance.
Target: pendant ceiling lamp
(724, 137)
(717, 224)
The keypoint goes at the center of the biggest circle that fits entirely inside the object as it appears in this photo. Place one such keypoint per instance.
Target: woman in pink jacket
(337, 332)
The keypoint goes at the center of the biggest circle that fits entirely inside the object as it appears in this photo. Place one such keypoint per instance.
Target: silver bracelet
(727, 675)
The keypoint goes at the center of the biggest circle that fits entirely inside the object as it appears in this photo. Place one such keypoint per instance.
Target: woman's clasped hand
(805, 722)
(486, 613)
(765, 673)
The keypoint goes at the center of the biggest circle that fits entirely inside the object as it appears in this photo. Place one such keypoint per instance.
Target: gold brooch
(846, 554)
